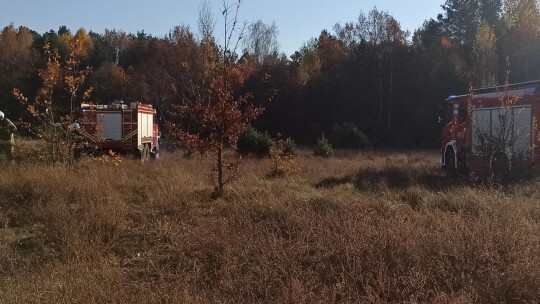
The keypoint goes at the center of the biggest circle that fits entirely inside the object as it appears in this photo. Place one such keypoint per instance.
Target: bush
(347, 136)
(282, 161)
(253, 142)
(323, 147)
(289, 147)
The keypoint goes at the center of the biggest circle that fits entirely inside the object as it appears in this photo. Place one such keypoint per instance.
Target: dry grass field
(357, 228)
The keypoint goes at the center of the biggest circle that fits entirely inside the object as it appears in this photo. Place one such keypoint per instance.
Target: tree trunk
(69, 135)
(484, 78)
(390, 99)
(380, 88)
(219, 189)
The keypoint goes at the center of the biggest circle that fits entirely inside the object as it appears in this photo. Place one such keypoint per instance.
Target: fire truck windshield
(463, 115)
(447, 113)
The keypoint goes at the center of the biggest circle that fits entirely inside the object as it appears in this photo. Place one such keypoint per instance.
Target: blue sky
(296, 20)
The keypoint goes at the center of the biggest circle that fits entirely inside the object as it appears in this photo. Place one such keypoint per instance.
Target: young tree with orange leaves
(214, 114)
(52, 119)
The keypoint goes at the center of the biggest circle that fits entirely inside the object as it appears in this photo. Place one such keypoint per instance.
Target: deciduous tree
(522, 42)
(18, 62)
(484, 50)
(261, 40)
(215, 116)
(52, 118)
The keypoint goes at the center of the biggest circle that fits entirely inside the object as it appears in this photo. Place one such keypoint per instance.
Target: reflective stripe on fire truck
(87, 135)
(129, 135)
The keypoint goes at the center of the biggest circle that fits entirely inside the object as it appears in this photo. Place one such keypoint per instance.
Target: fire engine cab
(126, 129)
(472, 122)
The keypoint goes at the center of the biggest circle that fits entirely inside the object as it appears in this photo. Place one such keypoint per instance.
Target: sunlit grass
(359, 227)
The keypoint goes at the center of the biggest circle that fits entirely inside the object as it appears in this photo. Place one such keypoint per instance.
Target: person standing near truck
(7, 140)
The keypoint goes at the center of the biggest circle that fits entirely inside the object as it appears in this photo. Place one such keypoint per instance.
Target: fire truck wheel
(450, 164)
(145, 152)
(155, 154)
(147, 155)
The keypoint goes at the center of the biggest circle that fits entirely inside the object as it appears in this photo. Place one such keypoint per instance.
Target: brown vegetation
(372, 227)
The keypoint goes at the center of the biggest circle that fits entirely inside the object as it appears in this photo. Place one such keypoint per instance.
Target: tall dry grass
(371, 227)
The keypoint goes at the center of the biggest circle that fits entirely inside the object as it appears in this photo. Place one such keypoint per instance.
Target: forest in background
(370, 72)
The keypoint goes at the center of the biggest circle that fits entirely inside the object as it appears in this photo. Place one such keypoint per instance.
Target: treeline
(369, 72)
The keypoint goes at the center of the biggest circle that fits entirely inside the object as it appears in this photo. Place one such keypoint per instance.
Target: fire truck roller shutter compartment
(490, 121)
(522, 131)
(111, 124)
(145, 127)
(481, 125)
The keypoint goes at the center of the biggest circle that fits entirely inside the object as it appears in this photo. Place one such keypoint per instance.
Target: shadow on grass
(401, 178)
(331, 182)
(395, 178)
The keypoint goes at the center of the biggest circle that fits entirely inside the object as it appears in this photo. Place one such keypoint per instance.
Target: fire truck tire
(450, 163)
(145, 152)
(155, 154)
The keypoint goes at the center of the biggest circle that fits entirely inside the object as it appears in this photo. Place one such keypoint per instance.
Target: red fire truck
(126, 129)
(471, 120)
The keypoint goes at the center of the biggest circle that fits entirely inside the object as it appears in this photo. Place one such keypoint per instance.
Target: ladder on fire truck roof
(127, 129)
(516, 89)
(528, 87)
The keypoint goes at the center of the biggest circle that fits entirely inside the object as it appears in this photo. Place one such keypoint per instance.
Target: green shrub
(253, 142)
(347, 136)
(289, 147)
(323, 147)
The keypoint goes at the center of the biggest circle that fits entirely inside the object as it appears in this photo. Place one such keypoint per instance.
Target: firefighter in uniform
(7, 141)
